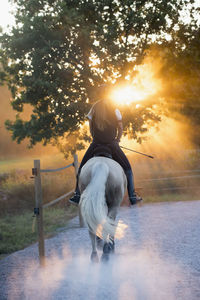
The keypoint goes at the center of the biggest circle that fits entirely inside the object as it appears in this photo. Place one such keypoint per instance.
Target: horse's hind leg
(107, 250)
(100, 243)
(112, 245)
(94, 256)
(112, 214)
(109, 247)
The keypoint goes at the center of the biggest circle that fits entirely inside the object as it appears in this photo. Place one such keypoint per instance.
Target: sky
(5, 15)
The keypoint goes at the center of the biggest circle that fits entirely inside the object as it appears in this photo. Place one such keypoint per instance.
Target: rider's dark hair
(104, 114)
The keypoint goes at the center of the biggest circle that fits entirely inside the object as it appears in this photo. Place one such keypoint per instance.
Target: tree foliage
(180, 74)
(61, 51)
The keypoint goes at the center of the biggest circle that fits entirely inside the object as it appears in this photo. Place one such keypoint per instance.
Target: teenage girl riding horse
(106, 129)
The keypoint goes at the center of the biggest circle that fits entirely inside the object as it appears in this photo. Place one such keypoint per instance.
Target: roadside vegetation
(17, 202)
(20, 230)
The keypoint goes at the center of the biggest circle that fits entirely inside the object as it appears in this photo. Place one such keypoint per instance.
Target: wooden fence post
(76, 163)
(76, 172)
(39, 211)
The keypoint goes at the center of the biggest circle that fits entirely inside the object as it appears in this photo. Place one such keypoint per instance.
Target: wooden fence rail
(169, 178)
(38, 210)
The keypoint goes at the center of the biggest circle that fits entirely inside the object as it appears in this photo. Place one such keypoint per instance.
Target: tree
(180, 74)
(60, 52)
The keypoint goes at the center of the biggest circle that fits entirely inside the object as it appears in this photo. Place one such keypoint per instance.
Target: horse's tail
(93, 205)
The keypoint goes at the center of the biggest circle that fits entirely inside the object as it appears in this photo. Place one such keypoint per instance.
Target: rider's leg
(133, 197)
(121, 158)
(89, 154)
(76, 197)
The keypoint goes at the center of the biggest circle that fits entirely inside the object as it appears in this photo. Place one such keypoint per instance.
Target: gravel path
(158, 258)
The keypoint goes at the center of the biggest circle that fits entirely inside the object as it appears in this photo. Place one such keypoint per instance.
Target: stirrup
(75, 199)
(135, 199)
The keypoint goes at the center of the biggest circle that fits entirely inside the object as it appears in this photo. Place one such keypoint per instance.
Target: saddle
(102, 150)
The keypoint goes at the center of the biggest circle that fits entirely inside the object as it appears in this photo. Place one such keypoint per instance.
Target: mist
(8, 147)
(143, 275)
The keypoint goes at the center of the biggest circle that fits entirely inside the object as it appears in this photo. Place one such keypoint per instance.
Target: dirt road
(158, 258)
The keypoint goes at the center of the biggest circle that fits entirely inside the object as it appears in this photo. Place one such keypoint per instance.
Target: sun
(128, 94)
(141, 87)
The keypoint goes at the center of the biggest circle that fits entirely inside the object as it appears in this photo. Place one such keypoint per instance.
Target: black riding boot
(77, 195)
(133, 198)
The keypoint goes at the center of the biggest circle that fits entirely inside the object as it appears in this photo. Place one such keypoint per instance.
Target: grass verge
(16, 231)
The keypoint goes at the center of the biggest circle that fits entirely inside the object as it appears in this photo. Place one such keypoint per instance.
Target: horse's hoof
(109, 248)
(105, 257)
(94, 257)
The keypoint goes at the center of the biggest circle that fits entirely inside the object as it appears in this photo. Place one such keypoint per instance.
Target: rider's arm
(90, 126)
(119, 125)
(89, 117)
(119, 130)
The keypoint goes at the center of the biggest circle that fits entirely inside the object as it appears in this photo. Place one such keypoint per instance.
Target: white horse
(103, 184)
